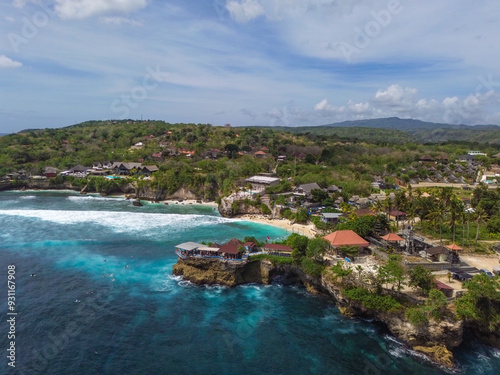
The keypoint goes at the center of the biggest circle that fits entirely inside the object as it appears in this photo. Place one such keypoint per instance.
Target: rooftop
(346, 238)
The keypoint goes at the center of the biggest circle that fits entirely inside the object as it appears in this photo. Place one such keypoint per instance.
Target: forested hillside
(211, 159)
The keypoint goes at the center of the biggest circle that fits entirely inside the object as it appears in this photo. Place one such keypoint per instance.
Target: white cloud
(78, 9)
(396, 97)
(119, 21)
(244, 10)
(403, 102)
(6, 62)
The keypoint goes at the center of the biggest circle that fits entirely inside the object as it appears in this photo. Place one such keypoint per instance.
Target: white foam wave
(121, 222)
(495, 352)
(28, 197)
(83, 198)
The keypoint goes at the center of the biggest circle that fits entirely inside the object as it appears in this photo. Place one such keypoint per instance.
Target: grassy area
(275, 259)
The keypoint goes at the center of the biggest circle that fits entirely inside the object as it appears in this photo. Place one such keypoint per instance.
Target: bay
(102, 300)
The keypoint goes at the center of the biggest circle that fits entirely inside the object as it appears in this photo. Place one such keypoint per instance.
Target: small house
(332, 218)
(50, 172)
(438, 253)
(277, 249)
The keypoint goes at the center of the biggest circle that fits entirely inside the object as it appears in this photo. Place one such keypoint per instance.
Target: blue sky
(248, 62)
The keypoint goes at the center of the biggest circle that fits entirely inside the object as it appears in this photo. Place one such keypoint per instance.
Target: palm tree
(438, 214)
(456, 209)
(481, 214)
(378, 206)
(400, 201)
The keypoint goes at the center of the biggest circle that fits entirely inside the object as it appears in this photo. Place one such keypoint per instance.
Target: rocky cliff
(436, 339)
(230, 208)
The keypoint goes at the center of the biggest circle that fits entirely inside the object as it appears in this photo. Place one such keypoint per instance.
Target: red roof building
(231, 247)
(346, 238)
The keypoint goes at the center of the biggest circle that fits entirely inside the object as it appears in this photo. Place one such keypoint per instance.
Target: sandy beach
(305, 230)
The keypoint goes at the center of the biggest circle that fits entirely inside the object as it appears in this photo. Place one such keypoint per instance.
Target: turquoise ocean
(95, 295)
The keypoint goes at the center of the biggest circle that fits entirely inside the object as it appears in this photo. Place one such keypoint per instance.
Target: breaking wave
(121, 222)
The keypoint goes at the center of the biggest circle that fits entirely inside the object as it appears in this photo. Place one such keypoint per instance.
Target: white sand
(305, 230)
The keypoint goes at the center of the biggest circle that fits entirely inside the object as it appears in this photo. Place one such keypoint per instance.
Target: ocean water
(103, 301)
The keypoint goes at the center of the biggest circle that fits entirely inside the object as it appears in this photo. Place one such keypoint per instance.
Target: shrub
(373, 301)
(311, 267)
(421, 279)
(416, 316)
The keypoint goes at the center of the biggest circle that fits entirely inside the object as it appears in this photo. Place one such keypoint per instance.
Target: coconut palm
(456, 208)
(481, 215)
(436, 214)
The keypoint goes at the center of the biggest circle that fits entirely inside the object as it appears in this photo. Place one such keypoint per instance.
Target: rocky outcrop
(150, 193)
(231, 208)
(210, 271)
(488, 335)
(231, 273)
(435, 339)
(438, 353)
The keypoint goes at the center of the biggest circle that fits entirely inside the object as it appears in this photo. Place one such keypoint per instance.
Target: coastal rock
(231, 208)
(438, 353)
(213, 271)
(447, 332)
(435, 339)
(228, 273)
(184, 194)
(137, 203)
(490, 336)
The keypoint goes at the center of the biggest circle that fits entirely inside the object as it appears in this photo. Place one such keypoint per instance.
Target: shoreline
(303, 229)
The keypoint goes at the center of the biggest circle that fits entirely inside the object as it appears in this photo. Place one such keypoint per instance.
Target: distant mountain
(397, 130)
(408, 125)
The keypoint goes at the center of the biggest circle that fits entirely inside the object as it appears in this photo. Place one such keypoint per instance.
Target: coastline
(187, 202)
(303, 229)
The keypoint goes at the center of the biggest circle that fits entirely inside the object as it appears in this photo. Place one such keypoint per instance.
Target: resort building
(276, 249)
(232, 250)
(260, 183)
(346, 238)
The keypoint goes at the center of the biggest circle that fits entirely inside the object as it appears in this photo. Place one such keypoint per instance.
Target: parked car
(487, 273)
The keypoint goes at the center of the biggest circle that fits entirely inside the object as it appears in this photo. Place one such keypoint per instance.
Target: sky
(248, 62)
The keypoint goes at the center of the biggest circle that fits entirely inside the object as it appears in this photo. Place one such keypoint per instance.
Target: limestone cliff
(210, 271)
(436, 339)
(231, 208)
